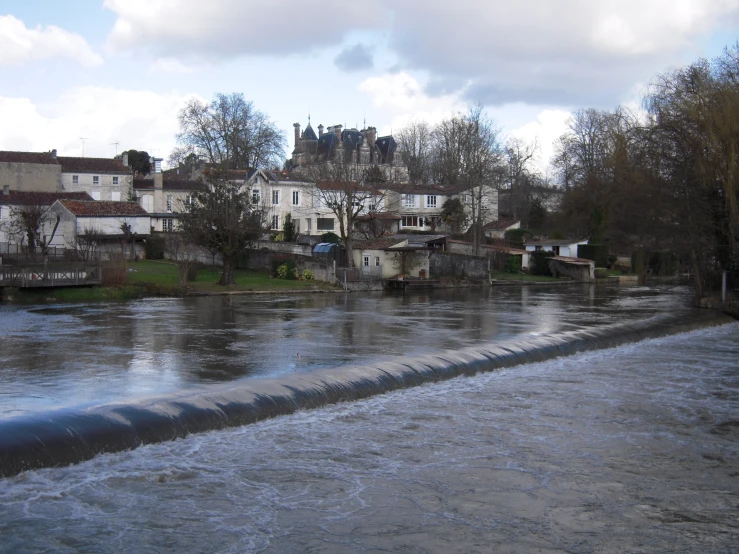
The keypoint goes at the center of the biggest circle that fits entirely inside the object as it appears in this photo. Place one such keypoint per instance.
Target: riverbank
(149, 278)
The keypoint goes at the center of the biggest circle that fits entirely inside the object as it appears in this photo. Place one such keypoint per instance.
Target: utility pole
(116, 146)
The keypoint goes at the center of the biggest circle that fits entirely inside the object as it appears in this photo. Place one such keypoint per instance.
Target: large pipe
(69, 436)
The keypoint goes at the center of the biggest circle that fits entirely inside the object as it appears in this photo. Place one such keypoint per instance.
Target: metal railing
(51, 274)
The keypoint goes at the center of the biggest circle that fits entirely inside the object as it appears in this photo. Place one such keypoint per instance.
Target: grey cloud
(355, 58)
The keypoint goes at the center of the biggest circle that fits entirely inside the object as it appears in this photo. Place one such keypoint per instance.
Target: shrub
(512, 264)
(287, 270)
(113, 273)
(515, 237)
(155, 247)
(663, 263)
(279, 237)
(188, 271)
(330, 237)
(308, 275)
(601, 273)
(539, 262)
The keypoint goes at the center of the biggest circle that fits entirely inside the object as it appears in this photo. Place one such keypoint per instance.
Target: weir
(67, 436)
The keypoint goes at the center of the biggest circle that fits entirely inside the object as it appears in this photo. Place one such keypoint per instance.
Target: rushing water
(634, 449)
(62, 355)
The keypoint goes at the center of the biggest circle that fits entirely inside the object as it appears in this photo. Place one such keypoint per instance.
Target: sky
(102, 76)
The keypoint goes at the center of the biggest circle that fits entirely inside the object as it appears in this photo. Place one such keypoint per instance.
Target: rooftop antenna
(116, 147)
(83, 139)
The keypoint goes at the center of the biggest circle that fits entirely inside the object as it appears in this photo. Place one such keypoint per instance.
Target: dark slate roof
(28, 157)
(23, 198)
(309, 133)
(285, 176)
(104, 209)
(351, 138)
(347, 185)
(93, 165)
(327, 143)
(377, 244)
(386, 145)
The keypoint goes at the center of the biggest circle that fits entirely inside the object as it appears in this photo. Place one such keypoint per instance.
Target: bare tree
(414, 142)
(520, 177)
(467, 158)
(25, 225)
(223, 219)
(343, 188)
(229, 132)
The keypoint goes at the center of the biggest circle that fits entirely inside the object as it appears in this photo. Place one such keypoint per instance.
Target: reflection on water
(68, 355)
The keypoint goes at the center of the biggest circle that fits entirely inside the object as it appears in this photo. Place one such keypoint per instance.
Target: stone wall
(31, 177)
(459, 266)
(261, 260)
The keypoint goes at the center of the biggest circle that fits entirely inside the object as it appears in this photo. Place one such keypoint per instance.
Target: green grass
(76, 294)
(164, 275)
(503, 276)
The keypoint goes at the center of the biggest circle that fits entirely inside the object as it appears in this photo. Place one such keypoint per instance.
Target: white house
(14, 203)
(99, 222)
(102, 178)
(560, 247)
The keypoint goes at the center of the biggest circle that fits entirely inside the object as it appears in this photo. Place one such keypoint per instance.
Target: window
(366, 260)
(409, 221)
(377, 261)
(409, 200)
(169, 203)
(309, 225)
(188, 202)
(115, 196)
(296, 198)
(2, 213)
(465, 198)
(256, 196)
(147, 202)
(115, 180)
(75, 179)
(325, 224)
(275, 197)
(96, 179)
(167, 224)
(431, 201)
(275, 222)
(95, 195)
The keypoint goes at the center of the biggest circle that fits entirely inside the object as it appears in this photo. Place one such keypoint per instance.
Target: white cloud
(171, 66)
(230, 28)
(20, 45)
(142, 120)
(548, 126)
(402, 99)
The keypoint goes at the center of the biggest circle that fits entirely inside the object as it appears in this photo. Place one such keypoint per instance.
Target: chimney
(157, 166)
(158, 181)
(337, 130)
(371, 136)
(53, 154)
(6, 190)
(124, 159)
(297, 133)
(320, 130)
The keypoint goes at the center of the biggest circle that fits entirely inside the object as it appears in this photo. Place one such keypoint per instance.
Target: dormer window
(96, 179)
(75, 179)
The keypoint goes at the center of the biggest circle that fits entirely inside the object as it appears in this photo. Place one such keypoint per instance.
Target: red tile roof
(23, 198)
(93, 165)
(104, 209)
(28, 157)
(501, 224)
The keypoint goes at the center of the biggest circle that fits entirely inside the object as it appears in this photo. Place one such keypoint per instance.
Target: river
(626, 449)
